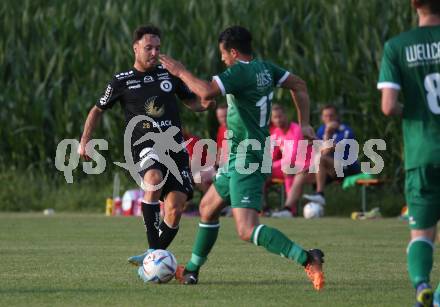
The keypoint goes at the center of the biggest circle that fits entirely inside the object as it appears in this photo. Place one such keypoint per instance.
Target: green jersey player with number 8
(248, 84)
(411, 64)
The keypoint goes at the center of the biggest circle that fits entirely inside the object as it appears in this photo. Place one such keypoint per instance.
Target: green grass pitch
(80, 260)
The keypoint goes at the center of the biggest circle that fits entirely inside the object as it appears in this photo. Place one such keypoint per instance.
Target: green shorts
(240, 190)
(422, 193)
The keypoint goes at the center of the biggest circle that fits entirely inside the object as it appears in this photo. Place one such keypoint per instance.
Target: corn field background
(56, 58)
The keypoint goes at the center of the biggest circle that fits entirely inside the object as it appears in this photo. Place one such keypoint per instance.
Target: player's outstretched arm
(92, 120)
(300, 97)
(390, 105)
(205, 90)
(198, 105)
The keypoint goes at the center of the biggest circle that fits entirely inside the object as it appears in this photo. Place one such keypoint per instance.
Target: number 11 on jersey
(263, 105)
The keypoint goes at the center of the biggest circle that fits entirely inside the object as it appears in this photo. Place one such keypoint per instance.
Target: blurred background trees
(56, 58)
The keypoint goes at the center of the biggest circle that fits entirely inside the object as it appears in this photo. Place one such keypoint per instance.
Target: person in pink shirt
(287, 153)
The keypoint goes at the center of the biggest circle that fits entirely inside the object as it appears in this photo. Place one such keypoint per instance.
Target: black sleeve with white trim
(111, 94)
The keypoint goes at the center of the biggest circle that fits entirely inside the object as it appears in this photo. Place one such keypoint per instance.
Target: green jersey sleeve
(389, 76)
(230, 80)
(279, 74)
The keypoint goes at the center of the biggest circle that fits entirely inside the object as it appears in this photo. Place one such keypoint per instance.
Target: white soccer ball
(159, 266)
(313, 210)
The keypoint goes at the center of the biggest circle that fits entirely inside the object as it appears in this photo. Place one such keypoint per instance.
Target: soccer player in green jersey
(248, 84)
(411, 64)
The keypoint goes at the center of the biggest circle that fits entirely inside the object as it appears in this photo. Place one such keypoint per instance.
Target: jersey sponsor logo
(151, 109)
(164, 78)
(163, 123)
(158, 124)
(148, 79)
(131, 82)
(422, 52)
(163, 74)
(108, 93)
(124, 75)
(264, 78)
(134, 86)
(166, 86)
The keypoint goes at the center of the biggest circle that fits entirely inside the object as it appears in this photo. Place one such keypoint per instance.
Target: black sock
(320, 193)
(151, 214)
(166, 235)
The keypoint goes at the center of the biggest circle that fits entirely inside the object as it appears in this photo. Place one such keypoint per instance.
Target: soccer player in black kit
(149, 89)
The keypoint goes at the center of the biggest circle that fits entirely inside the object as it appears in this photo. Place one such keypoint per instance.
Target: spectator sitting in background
(222, 152)
(286, 154)
(331, 129)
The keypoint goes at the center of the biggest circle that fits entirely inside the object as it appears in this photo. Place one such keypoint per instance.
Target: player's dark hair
(329, 106)
(238, 38)
(142, 30)
(222, 106)
(432, 5)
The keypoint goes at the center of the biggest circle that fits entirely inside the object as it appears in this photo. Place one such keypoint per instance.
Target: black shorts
(181, 160)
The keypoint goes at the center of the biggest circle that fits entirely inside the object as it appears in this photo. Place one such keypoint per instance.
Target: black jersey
(152, 93)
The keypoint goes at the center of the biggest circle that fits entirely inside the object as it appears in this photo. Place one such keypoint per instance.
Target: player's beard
(151, 62)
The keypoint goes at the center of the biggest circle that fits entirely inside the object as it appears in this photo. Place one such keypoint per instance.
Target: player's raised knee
(244, 233)
(153, 177)
(204, 208)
